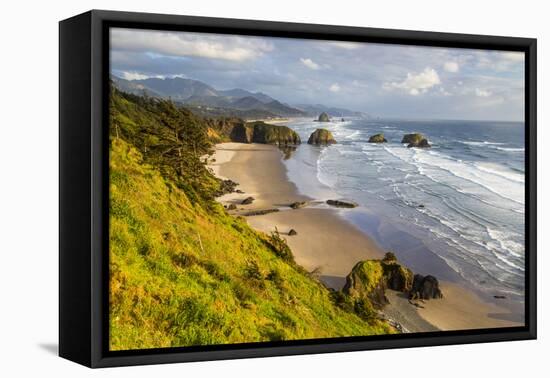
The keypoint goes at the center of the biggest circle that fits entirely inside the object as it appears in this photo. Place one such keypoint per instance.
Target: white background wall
(29, 189)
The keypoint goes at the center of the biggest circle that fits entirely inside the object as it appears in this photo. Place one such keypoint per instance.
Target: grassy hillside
(182, 271)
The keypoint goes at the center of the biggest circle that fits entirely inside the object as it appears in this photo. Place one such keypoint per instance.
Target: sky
(385, 80)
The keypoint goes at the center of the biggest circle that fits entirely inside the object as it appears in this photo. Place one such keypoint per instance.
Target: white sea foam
(471, 209)
(510, 149)
(495, 181)
(499, 170)
(354, 135)
(484, 143)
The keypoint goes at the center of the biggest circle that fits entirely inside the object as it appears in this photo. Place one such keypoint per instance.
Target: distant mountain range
(209, 101)
(330, 110)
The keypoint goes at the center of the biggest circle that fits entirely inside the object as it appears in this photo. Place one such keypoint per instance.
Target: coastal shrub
(252, 271)
(275, 277)
(389, 257)
(280, 246)
(364, 309)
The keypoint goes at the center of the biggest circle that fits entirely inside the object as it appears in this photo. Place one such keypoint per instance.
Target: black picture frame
(83, 181)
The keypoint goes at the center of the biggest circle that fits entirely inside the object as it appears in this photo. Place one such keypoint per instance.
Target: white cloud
(416, 84)
(451, 66)
(483, 92)
(346, 45)
(233, 48)
(309, 63)
(134, 76)
(335, 87)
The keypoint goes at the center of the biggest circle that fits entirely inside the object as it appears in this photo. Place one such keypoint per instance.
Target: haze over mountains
(209, 101)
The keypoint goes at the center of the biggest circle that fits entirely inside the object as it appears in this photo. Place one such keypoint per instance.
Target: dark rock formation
(260, 132)
(247, 201)
(339, 203)
(422, 144)
(232, 207)
(425, 288)
(292, 232)
(298, 205)
(369, 279)
(397, 277)
(273, 134)
(241, 133)
(412, 138)
(377, 138)
(365, 283)
(260, 212)
(321, 137)
(415, 140)
(323, 117)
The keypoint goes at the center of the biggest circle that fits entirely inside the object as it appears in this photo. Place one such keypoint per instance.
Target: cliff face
(321, 137)
(272, 134)
(240, 133)
(260, 132)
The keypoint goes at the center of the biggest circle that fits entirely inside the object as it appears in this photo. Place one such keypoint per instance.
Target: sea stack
(321, 137)
(369, 279)
(377, 138)
(323, 117)
(415, 140)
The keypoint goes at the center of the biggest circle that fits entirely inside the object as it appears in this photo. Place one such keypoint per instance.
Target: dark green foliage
(364, 309)
(389, 257)
(280, 247)
(169, 137)
(252, 271)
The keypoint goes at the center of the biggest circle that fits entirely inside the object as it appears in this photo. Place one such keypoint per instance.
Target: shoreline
(260, 173)
(331, 245)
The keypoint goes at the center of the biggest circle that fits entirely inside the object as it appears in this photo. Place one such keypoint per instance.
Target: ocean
(457, 208)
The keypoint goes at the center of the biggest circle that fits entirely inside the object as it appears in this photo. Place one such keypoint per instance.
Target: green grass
(183, 272)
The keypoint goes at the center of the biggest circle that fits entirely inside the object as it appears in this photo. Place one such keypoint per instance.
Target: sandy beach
(327, 243)
(321, 234)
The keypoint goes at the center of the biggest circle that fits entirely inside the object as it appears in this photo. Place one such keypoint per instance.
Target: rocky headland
(260, 132)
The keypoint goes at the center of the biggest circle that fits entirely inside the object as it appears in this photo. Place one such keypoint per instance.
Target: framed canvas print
(233, 188)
